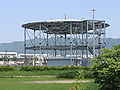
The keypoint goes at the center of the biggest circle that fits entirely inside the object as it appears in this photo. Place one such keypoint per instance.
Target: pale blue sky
(14, 13)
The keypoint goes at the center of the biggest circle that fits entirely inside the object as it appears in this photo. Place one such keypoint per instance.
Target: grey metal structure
(68, 37)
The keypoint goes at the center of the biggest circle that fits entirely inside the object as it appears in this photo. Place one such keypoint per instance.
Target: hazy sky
(14, 13)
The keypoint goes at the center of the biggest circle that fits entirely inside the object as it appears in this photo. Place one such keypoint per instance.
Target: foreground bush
(75, 74)
(68, 74)
(85, 86)
(7, 68)
(88, 74)
(106, 69)
(46, 68)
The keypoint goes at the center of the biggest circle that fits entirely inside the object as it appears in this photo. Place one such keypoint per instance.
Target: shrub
(88, 74)
(7, 68)
(75, 74)
(46, 68)
(106, 69)
(86, 68)
(67, 74)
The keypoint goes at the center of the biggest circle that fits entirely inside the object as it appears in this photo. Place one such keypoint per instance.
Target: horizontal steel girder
(61, 47)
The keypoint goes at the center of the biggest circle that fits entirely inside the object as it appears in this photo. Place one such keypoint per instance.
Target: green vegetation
(60, 72)
(19, 84)
(75, 74)
(89, 86)
(88, 74)
(30, 73)
(68, 74)
(106, 69)
(7, 83)
(42, 68)
(5, 58)
(7, 68)
(47, 68)
(15, 58)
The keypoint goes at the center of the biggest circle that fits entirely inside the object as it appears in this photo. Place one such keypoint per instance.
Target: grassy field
(18, 84)
(30, 73)
(9, 82)
(38, 73)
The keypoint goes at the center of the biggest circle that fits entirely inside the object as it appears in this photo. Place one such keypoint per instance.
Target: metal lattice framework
(67, 37)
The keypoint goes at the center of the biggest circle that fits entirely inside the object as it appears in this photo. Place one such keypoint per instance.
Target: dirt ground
(59, 81)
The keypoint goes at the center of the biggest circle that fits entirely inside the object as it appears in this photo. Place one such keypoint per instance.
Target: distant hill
(111, 41)
(18, 47)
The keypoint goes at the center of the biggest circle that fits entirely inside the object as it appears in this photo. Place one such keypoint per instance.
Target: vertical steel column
(71, 43)
(65, 44)
(40, 41)
(76, 44)
(25, 44)
(34, 49)
(99, 39)
(47, 44)
(82, 41)
(99, 43)
(87, 40)
(55, 45)
(104, 41)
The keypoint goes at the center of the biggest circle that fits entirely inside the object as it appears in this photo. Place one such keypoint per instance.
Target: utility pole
(93, 10)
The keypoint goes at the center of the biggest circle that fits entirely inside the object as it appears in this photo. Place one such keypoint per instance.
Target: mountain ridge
(18, 46)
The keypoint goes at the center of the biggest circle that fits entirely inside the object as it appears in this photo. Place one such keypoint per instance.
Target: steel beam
(25, 43)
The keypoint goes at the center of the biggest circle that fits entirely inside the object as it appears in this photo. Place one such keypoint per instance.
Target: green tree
(5, 58)
(15, 58)
(106, 69)
(35, 58)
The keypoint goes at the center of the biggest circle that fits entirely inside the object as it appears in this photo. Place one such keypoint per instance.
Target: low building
(8, 54)
(44, 59)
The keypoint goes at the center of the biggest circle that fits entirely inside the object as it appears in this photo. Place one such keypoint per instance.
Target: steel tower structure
(66, 37)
